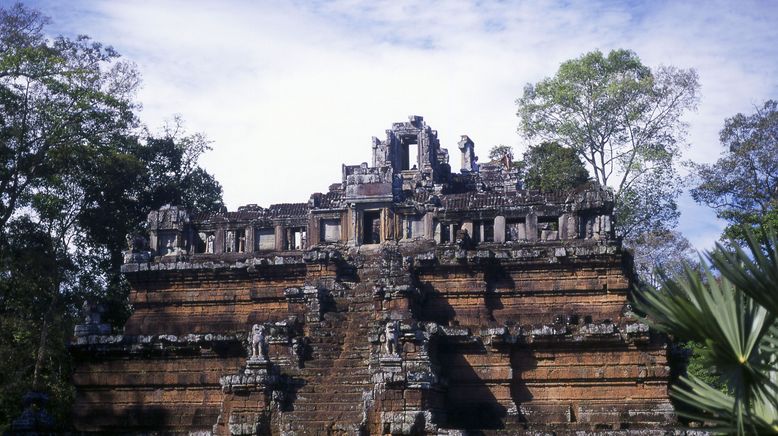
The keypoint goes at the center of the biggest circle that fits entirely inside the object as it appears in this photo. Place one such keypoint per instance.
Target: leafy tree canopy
(624, 121)
(742, 186)
(77, 173)
(57, 97)
(549, 166)
(500, 152)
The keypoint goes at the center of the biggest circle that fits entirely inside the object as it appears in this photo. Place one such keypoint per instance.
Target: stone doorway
(371, 227)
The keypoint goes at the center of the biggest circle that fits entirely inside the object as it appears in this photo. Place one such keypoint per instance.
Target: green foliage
(32, 271)
(56, 97)
(549, 166)
(701, 368)
(76, 175)
(742, 186)
(500, 152)
(734, 316)
(624, 121)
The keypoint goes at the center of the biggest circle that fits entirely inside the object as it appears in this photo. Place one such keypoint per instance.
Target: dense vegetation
(77, 173)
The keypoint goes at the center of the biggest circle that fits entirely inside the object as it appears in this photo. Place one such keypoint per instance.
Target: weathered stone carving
(93, 324)
(137, 243)
(464, 241)
(137, 249)
(258, 343)
(392, 338)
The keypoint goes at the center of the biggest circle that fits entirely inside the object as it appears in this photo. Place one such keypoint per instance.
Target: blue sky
(289, 91)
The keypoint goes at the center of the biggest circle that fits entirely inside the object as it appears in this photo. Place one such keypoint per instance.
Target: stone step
(335, 375)
(340, 395)
(342, 378)
(310, 394)
(328, 406)
(312, 419)
(334, 380)
(337, 360)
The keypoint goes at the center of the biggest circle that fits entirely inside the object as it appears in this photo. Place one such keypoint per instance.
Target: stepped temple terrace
(411, 298)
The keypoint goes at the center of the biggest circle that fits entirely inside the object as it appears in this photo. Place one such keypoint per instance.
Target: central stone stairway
(333, 384)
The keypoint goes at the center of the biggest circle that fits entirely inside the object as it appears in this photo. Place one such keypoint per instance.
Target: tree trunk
(41, 355)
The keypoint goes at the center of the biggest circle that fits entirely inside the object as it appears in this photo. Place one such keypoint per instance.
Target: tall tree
(76, 175)
(624, 121)
(742, 186)
(54, 95)
(549, 166)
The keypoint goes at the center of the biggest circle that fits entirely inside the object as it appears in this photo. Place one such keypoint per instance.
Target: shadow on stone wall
(470, 403)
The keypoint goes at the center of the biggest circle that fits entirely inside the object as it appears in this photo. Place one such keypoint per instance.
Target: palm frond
(734, 316)
(755, 273)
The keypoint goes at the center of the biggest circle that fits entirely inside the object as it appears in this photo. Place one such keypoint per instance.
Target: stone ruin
(406, 300)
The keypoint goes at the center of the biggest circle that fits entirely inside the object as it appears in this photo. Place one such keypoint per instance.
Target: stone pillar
(531, 227)
(153, 242)
(429, 226)
(250, 244)
(218, 243)
(355, 226)
(279, 233)
(387, 225)
(313, 232)
(499, 229)
(562, 226)
(467, 147)
(568, 226)
(346, 221)
(379, 155)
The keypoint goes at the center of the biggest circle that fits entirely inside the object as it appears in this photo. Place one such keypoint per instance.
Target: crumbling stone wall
(402, 301)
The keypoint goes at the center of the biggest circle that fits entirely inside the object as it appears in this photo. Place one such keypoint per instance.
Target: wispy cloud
(289, 91)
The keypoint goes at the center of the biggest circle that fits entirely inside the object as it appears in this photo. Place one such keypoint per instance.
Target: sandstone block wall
(496, 344)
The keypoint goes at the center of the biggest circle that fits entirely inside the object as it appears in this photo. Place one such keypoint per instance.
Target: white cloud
(289, 91)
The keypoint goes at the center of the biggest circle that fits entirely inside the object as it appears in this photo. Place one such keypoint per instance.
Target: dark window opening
(515, 230)
(585, 226)
(371, 227)
(166, 243)
(483, 231)
(414, 227)
(445, 233)
(548, 227)
(488, 231)
(199, 242)
(296, 238)
(409, 153)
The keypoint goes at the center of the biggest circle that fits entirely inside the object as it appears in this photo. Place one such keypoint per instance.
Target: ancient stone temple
(409, 299)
